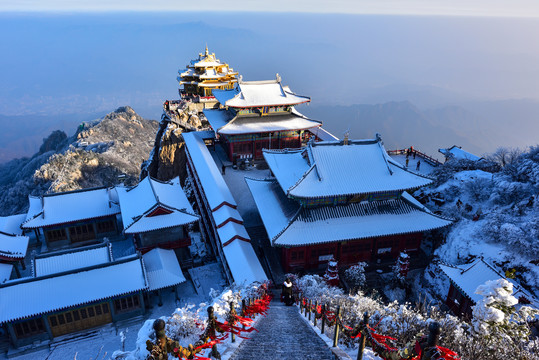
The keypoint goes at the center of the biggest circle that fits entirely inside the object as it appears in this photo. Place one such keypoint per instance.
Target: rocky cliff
(103, 152)
(168, 159)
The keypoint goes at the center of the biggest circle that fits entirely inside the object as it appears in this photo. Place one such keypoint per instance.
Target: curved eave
(8, 257)
(291, 194)
(275, 240)
(262, 105)
(258, 132)
(71, 306)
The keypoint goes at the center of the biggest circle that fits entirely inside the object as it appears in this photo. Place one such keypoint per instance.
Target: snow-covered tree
(355, 274)
(498, 321)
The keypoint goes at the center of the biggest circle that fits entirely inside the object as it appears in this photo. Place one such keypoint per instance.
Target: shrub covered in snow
(186, 324)
(355, 274)
(407, 322)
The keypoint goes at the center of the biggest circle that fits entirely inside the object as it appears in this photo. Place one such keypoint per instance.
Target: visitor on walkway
(286, 293)
(418, 165)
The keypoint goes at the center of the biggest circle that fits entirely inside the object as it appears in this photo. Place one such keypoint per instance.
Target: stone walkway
(283, 335)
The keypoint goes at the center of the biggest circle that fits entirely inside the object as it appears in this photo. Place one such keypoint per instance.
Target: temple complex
(343, 199)
(258, 115)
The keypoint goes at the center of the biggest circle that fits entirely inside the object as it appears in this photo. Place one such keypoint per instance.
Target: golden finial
(207, 50)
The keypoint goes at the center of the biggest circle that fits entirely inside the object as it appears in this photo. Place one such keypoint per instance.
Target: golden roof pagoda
(204, 74)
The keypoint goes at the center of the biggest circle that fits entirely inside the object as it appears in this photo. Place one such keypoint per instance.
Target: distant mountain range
(480, 127)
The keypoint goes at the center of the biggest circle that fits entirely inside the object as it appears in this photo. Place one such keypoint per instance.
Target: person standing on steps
(286, 292)
(418, 165)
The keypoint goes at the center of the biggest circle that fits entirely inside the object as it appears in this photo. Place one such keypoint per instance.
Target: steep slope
(101, 153)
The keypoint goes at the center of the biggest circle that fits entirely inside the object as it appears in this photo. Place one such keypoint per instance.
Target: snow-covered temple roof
(34, 296)
(12, 224)
(328, 169)
(288, 224)
(223, 122)
(213, 184)
(153, 205)
(243, 262)
(13, 247)
(238, 251)
(468, 277)
(259, 93)
(60, 208)
(323, 134)
(162, 269)
(68, 260)
(457, 153)
(5, 272)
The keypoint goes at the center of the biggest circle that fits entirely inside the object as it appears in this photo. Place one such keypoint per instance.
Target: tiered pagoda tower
(205, 74)
(346, 200)
(258, 115)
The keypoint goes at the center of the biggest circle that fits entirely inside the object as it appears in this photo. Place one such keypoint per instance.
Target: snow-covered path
(283, 335)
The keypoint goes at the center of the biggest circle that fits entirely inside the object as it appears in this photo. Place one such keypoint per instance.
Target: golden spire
(207, 50)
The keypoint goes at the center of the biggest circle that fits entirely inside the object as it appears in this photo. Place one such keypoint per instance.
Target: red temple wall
(315, 257)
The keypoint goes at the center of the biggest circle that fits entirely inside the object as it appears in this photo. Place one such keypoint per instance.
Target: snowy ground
(102, 342)
(424, 167)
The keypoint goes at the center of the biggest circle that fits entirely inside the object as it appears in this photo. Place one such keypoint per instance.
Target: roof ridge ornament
(278, 78)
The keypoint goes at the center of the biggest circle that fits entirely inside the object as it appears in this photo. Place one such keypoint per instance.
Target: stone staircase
(283, 335)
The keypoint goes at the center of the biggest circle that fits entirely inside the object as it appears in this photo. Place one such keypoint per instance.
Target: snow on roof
(162, 269)
(238, 253)
(323, 134)
(289, 225)
(12, 224)
(468, 277)
(139, 203)
(34, 296)
(13, 246)
(217, 117)
(212, 182)
(327, 169)
(457, 153)
(71, 206)
(224, 95)
(232, 231)
(35, 207)
(275, 209)
(224, 214)
(57, 262)
(5, 272)
(269, 123)
(261, 93)
(243, 263)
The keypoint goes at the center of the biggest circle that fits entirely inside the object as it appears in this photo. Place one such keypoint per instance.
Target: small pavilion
(258, 115)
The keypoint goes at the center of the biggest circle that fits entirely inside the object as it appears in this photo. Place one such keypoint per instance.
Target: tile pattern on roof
(13, 246)
(12, 224)
(139, 201)
(74, 259)
(162, 269)
(337, 223)
(18, 299)
(468, 277)
(261, 93)
(239, 254)
(261, 124)
(328, 169)
(72, 206)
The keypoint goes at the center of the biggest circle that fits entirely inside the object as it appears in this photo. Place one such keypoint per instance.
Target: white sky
(504, 8)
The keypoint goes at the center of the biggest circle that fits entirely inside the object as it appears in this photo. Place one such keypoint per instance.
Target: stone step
(283, 335)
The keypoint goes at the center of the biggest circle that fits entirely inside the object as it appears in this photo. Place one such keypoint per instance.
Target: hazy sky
(504, 8)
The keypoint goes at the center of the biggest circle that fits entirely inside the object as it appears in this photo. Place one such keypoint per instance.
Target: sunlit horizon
(477, 8)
